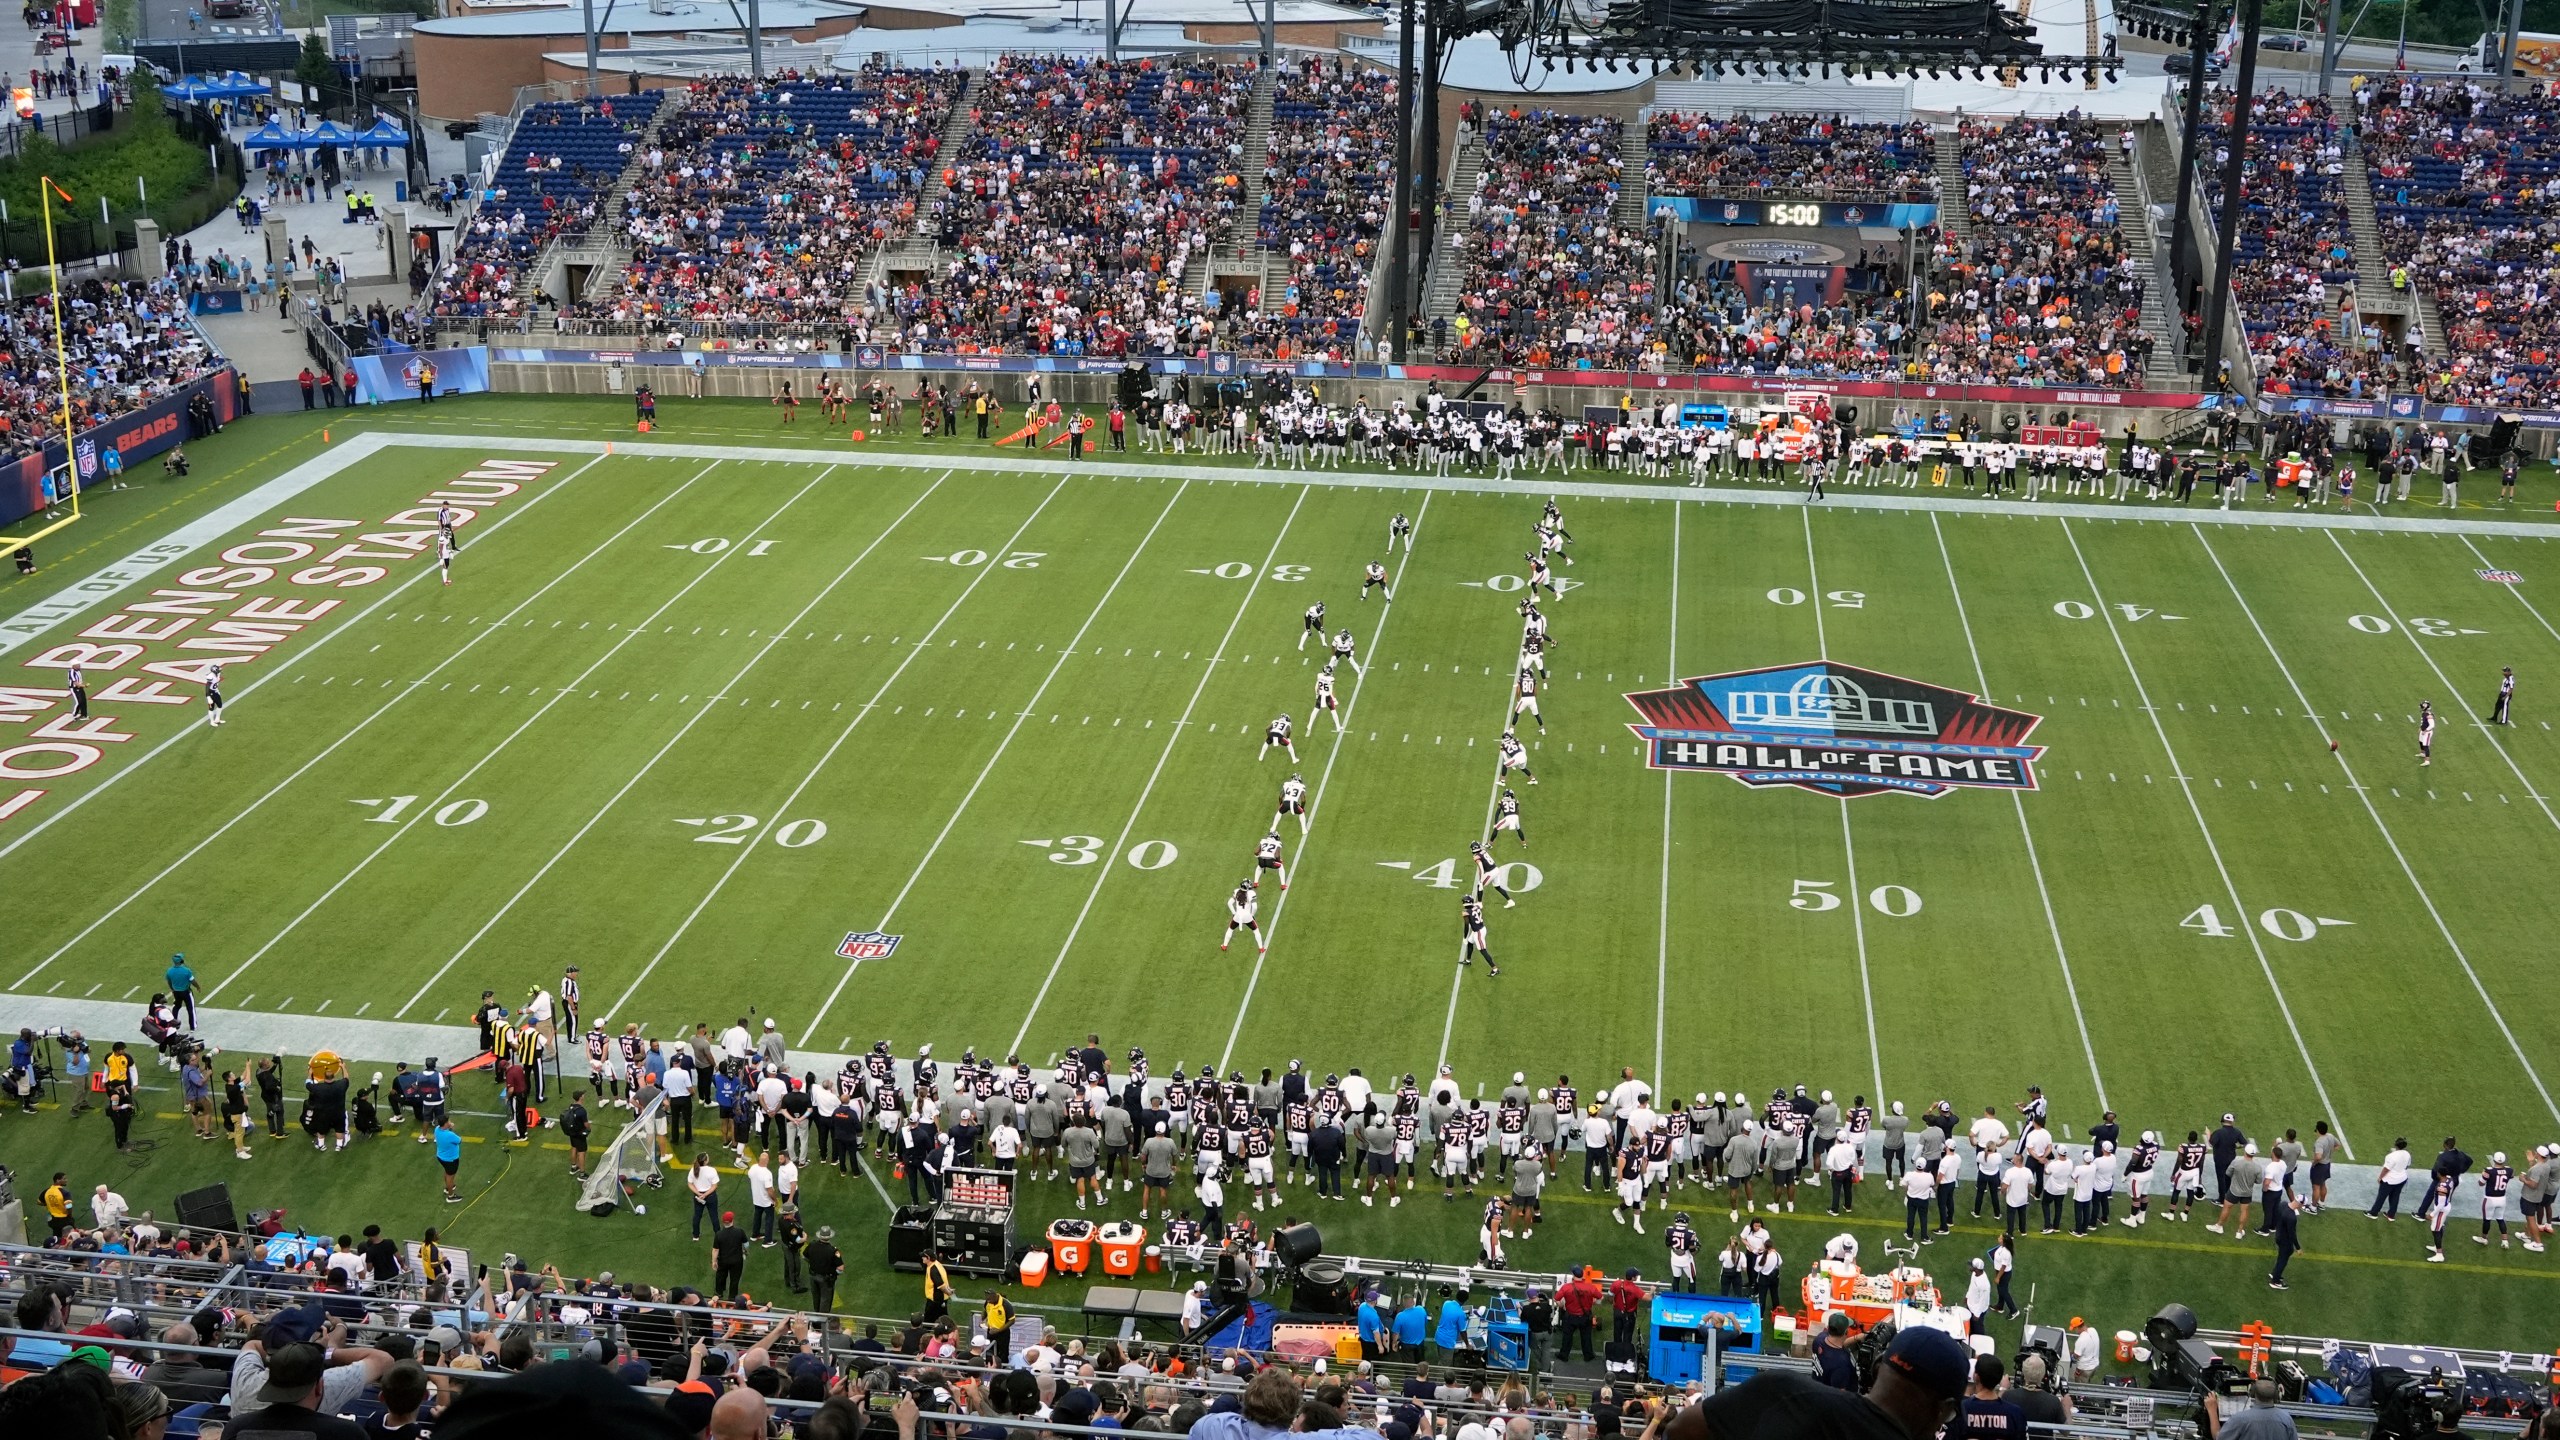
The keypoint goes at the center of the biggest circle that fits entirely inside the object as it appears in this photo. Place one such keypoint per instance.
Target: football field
(1959, 798)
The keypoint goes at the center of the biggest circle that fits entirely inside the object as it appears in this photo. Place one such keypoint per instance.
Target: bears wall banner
(1837, 730)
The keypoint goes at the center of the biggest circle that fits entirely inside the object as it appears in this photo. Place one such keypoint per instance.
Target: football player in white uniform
(1277, 734)
(1266, 856)
(1293, 801)
(1242, 906)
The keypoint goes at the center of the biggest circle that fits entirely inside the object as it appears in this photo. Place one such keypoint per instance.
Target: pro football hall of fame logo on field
(1838, 730)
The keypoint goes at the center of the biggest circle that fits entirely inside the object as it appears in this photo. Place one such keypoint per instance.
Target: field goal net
(629, 1163)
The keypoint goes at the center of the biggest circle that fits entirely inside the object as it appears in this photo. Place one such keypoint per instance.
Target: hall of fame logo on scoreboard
(1837, 730)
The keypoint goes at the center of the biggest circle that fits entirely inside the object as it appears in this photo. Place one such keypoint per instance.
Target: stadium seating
(763, 197)
(2044, 293)
(1551, 278)
(549, 185)
(1789, 156)
(1326, 192)
(1077, 203)
(2293, 271)
(2462, 188)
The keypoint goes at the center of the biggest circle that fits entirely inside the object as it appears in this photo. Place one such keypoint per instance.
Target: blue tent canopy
(272, 136)
(192, 88)
(383, 133)
(234, 85)
(329, 132)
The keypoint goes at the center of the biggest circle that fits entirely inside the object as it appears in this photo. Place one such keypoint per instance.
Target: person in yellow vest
(999, 1318)
(937, 1287)
(57, 1204)
(353, 212)
(978, 406)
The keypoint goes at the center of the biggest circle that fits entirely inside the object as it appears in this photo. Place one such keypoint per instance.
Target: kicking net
(629, 1161)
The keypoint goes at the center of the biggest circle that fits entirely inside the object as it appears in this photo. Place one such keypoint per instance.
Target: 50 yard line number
(1896, 902)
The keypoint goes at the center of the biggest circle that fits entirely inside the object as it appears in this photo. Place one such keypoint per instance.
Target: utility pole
(590, 8)
(2182, 238)
(2226, 229)
(1399, 316)
(755, 39)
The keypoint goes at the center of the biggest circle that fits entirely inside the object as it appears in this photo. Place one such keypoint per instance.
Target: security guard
(937, 1288)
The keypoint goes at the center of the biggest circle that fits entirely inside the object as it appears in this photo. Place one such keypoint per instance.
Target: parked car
(2177, 61)
(2285, 41)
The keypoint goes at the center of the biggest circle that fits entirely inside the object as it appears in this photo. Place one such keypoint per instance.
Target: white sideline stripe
(2365, 796)
(2186, 787)
(859, 715)
(1587, 490)
(1662, 922)
(1315, 801)
(683, 730)
(291, 661)
(2035, 863)
(1110, 861)
(2453, 694)
(529, 722)
(187, 539)
(403, 693)
(1020, 717)
(1848, 843)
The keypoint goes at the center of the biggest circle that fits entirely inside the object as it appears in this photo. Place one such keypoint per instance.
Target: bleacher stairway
(1449, 265)
(2133, 212)
(602, 248)
(2374, 295)
(916, 250)
(1242, 254)
(1953, 216)
(1634, 191)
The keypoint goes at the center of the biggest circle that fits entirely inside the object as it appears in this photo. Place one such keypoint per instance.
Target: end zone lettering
(1838, 730)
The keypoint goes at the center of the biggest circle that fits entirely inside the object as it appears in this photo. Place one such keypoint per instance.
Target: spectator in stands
(1790, 157)
(184, 1377)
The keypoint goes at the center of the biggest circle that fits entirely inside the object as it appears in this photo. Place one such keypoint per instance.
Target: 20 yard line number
(1895, 902)
(734, 830)
(2283, 924)
(1087, 849)
(1013, 560)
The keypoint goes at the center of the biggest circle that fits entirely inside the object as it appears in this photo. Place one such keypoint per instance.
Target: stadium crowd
(1326, 191)
(761, 198)
(129, 342)
(1790, 157)
(2462, 188)
(549, 185)
(1552, 279)
(2293, 273)
(1083, 194)
(2044, 293)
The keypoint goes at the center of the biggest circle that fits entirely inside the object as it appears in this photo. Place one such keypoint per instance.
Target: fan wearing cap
(287, 1380)
(1916, 1391)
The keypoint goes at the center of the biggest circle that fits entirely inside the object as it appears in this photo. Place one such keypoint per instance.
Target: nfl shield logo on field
(868, 945)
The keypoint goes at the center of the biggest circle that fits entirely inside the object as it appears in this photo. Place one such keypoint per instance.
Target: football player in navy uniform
(1486, 870)
(1682, 1239)
(1471, 916)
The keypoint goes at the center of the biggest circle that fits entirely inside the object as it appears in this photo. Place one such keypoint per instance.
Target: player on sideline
(1343, 645)
(1506, 816)
(2497, 712)
(1486, 869)
(1527, 702)
(1314, 625)
(1631, 1166)
(1376, 579)
(1277, 734)
(213, 693)
(444, 554)
(1515, 756)
(1471, 924)
(1682, 1238)
(1326, 701)
(2426, 732)
(1293, 801)
(1266, 856)
(1241, 909)
(1400, 529)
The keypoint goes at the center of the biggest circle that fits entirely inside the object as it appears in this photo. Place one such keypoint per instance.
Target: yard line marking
(528, 723)
(690, 721)
(2531, 1073)
(1848, 842)
(859, 715)
(2195, 808)
(1315, 798)
(1662, 922)
(1109, 861)
(1065, 653)
(305, 767)
(2518, 592)
(2053, 926)
(2453, 692)
(292, 661)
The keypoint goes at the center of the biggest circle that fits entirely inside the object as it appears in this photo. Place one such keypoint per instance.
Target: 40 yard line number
(2281, 923)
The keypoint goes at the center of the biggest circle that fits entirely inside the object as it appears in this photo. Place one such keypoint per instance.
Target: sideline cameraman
(2258, 1420)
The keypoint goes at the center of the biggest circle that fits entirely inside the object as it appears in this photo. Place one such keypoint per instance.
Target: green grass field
(688, 719)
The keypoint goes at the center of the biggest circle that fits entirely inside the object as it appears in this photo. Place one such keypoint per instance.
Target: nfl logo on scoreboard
(868, 945)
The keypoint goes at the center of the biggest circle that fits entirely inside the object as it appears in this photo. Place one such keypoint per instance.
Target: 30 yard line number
(2281, 923)
(2433, 626)
(1087, 849)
